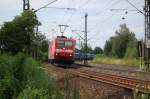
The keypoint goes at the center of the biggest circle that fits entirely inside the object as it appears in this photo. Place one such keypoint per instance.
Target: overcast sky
(101, 21)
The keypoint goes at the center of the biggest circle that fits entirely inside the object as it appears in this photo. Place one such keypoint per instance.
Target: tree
(98, 50)
(40, 48)
(123, 44)
(107, 48)
(18, 34)
(131, 50)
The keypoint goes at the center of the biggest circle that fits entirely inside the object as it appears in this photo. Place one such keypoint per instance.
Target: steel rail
(125, 82)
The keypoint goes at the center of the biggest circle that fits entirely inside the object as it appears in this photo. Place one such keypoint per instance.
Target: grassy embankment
(100, 59)
(23, 78)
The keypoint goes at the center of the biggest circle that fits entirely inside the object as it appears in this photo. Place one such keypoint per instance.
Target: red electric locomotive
(61, 50)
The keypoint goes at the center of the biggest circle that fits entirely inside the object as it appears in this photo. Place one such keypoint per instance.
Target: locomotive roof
(59, 38)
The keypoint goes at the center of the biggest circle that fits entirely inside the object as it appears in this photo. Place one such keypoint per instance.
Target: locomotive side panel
(51, 51)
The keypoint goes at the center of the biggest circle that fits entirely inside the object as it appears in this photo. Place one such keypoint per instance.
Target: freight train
(83, 56)
(61, 50)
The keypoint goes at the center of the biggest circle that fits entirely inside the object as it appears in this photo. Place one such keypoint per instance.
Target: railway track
(125, 82)
(127, 72)
(87, 86)
(129, 83)
(114, 69)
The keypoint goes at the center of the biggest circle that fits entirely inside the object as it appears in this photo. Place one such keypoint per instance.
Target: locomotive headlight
(58, 50)
(69, 51)
(70, 54)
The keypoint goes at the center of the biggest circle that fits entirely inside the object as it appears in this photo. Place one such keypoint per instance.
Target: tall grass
(71, 89)
(112, 60)
(23, 78)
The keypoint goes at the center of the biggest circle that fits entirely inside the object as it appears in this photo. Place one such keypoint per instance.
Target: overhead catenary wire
(123, 10)
(45, 5)
(69, 20)
(74, 31)
(67, 8)
(80, 6)
(104, 19)
(108, 7)
(135, 7)
(104, 10)
(105, 7)
(92, 37)
(88, 2)
(62, 8)
(109, 16)
(66, 12)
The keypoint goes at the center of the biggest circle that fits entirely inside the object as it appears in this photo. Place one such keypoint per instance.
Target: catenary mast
(147, 33)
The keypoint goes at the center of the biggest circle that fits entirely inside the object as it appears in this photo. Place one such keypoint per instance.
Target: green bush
(22, 77)
(43, 56)
(7, 79)
(122, 45)
(31, 93)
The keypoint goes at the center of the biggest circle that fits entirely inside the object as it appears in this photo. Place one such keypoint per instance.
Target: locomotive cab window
(60, 43)
(64, 43)
(68, 43)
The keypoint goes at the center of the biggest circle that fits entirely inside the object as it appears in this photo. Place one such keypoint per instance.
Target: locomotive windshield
(68, 43)
(64, 43)
(60, 43)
